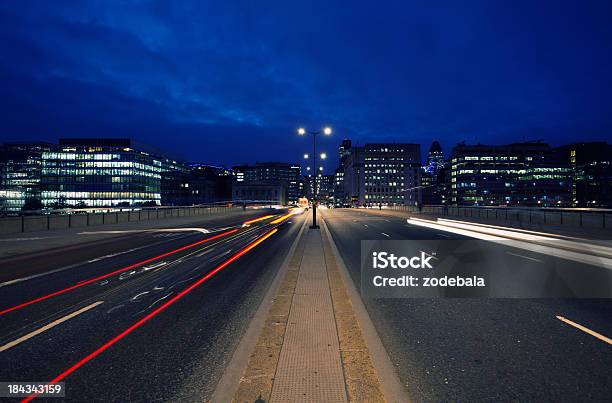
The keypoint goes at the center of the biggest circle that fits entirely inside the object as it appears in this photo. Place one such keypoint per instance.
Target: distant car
(303, 203)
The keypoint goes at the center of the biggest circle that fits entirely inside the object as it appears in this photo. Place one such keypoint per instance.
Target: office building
(435, 160)
(338, 193)
(382, 174)
(518, 174)
(270, 172)
(20, 173)
(102, 173)
(272, 191)
(353, 177)
(392, 174)
(591, 164)
(432, 186)
(325, 188)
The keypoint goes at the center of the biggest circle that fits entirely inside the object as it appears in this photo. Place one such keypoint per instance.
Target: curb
(392, 388)
(228, 388)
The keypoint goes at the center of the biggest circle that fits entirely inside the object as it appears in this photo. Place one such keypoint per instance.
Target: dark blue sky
(228, 82)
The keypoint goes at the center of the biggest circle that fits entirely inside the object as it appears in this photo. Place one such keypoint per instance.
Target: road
(151, 316)
(449, 349)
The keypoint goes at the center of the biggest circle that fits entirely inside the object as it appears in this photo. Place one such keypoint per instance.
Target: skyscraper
(435, 159)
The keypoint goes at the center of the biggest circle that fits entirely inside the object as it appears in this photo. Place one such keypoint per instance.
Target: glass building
(20, 172)
(519, 174)
(100, 173)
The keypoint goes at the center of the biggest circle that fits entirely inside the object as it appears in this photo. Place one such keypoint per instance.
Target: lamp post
(326, 131)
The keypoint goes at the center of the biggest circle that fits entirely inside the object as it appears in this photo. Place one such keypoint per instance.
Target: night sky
(228, 82)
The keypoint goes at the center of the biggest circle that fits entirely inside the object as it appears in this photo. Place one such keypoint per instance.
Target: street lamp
(326, 131)
(305, 156)
(323, 156)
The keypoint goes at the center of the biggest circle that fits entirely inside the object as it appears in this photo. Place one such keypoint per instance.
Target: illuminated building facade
(379, 174)
(435, 160)
(338, 192)
(392, 174)
(591, 163)
(270, 172)
(325, 187)
(432, 176)
(101, 173)
(519, 174)
(20, 173)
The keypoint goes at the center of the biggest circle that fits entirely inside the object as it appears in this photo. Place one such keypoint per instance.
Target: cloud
(240, 77)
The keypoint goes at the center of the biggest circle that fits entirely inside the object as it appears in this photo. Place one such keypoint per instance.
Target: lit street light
(326, 131)
(305, 156)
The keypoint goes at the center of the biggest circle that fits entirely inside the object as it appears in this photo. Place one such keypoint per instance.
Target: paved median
(311, 347)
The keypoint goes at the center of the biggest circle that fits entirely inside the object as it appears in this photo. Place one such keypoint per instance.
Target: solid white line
(48, 326)
(25, 239)
(585, 329)
(387, 235)
(524, 257)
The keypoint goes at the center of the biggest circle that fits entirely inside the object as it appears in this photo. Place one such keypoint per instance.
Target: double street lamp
(326, 131)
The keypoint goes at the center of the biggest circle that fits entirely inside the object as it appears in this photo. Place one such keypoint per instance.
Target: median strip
(311, 347)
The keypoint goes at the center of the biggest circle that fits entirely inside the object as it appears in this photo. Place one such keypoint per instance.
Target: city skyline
(230, 84)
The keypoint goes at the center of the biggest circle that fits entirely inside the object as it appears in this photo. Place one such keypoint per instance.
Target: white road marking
(524, 257)
(387, 220)
(585, 329)
(48, 326)
(135, 297)
(387, 235)
(444, 235)
(19, 280)
(365, 225)
(24, 239)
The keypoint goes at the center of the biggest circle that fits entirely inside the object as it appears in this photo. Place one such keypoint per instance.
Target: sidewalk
(311, 348)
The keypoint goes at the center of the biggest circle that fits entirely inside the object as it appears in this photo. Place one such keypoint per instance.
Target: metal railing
(44, 220)
(580, 217)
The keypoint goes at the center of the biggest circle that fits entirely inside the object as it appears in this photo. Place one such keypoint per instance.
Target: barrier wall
(11, 225)
(578, 218)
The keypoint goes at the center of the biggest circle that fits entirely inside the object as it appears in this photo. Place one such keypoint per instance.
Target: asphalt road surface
(145, 317)
(450, 349)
